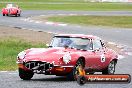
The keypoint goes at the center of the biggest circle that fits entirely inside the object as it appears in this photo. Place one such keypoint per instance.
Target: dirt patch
(114, 47)
(28, 35)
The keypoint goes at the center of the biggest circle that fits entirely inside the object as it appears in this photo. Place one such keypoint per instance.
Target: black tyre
(3, 14)
(73, 75)
(91, 73)
(81, 80)
(110, 69)
(25, 75)
(16, 15)
(19, 15)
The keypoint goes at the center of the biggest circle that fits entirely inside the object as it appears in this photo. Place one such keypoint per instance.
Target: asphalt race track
(121, 36)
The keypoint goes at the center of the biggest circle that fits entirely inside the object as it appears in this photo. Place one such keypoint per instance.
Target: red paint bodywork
(53, 55)
(11, 11)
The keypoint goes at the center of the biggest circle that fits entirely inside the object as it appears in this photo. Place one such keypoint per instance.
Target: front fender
(74, 59)
(4, 11)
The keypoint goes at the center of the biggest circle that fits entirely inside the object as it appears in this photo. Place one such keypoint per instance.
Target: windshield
(11, 5)
(71, 42)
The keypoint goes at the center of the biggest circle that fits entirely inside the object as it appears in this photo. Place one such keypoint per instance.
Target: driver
(66, 42)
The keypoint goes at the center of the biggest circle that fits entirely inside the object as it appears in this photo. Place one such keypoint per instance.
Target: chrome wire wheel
(75, 72)
(111, 67)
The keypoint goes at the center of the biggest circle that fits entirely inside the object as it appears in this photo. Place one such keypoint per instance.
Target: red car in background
(11, 9)
(66, 53)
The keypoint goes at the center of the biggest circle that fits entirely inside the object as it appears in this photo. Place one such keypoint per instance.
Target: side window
(97, 44)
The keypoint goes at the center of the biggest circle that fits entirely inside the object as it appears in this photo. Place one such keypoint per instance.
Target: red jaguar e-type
(11, 9)
(65, 54)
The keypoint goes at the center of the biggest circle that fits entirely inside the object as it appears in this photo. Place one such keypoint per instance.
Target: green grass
(9, 48)
(67, 5)
(43, 0)
(114, 21)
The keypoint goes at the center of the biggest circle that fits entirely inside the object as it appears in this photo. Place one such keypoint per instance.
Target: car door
(96, 57)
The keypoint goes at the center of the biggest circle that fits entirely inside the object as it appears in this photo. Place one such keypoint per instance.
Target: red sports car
(11, 9)
(64, 56)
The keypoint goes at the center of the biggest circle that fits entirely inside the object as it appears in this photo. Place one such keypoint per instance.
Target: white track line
(3, 71)
(121, 57)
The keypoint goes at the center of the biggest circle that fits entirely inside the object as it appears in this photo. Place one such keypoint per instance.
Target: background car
(11, 9)
(66, 53)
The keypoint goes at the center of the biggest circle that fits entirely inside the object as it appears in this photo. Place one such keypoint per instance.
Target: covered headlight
(67, 58)
(21, 55)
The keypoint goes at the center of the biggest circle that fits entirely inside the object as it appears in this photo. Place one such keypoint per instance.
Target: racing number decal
(103, 58)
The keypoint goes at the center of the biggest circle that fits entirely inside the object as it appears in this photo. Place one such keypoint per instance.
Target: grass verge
(114, 21)
(67, 5)
(9, 48)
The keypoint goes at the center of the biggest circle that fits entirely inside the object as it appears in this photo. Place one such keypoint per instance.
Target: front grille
(38, 65)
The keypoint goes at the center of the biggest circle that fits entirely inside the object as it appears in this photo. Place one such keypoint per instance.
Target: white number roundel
(103, 58)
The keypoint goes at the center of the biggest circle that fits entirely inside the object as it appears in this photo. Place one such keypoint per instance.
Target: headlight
(67, 58)
(21, 55)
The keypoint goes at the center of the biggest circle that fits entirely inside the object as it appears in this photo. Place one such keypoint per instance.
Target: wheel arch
(114, 60)
(83, 59)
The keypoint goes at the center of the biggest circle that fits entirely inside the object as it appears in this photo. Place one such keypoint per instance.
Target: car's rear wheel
(110, 69)
(19, 15)
(75, 72)
(25, 75)
(3, 14)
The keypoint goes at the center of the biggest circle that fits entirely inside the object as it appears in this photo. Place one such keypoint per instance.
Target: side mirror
(103, 44)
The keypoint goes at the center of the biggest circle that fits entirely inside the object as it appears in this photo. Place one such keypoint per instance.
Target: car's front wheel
(25, 75)
(3, 14)
(81, 80)
(75, 72)
(110, 69)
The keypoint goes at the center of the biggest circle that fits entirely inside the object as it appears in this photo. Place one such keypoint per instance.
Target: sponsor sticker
(98, 78)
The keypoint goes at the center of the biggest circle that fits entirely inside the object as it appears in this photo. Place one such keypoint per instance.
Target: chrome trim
(34, 65)
(63, 66)
(19, 62)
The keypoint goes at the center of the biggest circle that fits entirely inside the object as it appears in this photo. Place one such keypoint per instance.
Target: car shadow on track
(52, 79)
(12, 16)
